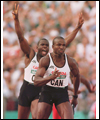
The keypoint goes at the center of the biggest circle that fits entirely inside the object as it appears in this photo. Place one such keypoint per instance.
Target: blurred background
(47, 19)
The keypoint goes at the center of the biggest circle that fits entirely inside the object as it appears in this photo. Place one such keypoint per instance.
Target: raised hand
(15, 12)
(80, 21)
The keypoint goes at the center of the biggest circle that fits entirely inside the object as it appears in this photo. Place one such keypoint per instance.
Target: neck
(38, 57)
(57, 56)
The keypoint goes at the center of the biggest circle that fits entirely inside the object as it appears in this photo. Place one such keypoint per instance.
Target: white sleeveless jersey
(61, 81)
(30, 70)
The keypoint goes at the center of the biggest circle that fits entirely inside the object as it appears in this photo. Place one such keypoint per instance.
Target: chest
(59, 63)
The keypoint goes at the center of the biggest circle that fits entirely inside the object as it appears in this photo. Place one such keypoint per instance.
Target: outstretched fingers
(56, 72)
(81, 18)
(15, 11)
(15, 6)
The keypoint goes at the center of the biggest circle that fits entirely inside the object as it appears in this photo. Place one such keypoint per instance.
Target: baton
(73, 106)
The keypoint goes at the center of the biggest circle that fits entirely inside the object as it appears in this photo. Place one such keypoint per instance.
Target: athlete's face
(43, 47)
(59, 46)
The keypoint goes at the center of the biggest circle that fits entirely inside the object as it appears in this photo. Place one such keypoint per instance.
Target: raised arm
(23, 42)
(72, 35)
(43, 65)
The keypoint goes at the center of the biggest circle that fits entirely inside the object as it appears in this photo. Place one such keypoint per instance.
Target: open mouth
(61, 51)
(44, 52)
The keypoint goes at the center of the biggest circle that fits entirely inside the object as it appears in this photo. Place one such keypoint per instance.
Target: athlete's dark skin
(64, 109)
(91, 88)
(43, 48)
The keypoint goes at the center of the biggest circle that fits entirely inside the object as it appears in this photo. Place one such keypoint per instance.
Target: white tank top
(30, 70)
(61, 81)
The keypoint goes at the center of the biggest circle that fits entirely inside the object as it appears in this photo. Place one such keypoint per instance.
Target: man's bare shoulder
(45, 57)
(71, 60)
(44, 61)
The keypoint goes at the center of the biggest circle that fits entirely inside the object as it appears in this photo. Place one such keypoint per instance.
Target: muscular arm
(72, 35)
(71, 89)
(87, 84)
(23, 42)
(43, 65)
(75, 71)
(39, 80)
(91, 88)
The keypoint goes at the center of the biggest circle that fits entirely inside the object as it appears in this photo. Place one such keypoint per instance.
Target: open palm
(15, 11)
(81, 20)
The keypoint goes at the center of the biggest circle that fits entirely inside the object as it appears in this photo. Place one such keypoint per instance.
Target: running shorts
(28, 93)
(54, 95)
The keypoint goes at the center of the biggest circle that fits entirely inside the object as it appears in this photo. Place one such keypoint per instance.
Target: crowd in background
(48, 19)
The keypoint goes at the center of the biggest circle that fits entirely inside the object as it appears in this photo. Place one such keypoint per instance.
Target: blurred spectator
(82, 99)
(17, 73)
(10, 34)
(81, 47)
(92, 112)
(7, 92)
(19, 84)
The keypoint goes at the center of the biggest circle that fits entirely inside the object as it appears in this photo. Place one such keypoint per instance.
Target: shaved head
(41, 40)
(56, 38)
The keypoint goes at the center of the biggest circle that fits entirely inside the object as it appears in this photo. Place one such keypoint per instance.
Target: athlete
(28, 97)
(53, 74)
